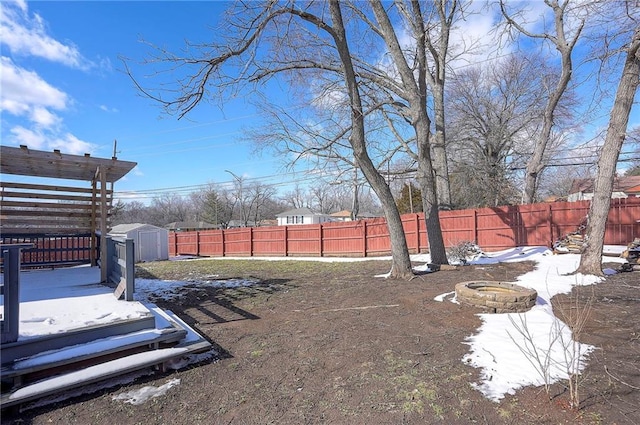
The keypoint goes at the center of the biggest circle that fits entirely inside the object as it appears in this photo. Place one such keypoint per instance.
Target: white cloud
(41, 117)
(41, 139)
(27, 35)
(108, 109)
(68, 143)
(24, 136)
(24, 90)
(28, 97)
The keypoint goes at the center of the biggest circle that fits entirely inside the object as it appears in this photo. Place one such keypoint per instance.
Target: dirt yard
(328, 343)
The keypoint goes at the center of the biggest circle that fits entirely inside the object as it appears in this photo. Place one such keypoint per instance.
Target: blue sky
(64, 88)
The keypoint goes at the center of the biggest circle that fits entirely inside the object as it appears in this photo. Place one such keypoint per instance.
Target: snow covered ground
(505, 346)
(521, 349)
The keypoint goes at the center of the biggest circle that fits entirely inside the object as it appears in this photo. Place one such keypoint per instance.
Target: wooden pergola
(58, 209)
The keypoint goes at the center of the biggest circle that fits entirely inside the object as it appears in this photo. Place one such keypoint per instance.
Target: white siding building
(302, 216)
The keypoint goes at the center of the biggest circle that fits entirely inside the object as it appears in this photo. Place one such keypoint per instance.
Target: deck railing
(121, 266)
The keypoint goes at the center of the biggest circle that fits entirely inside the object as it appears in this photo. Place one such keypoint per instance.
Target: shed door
(149, 246)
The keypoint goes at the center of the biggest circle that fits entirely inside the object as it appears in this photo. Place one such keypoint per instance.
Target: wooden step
(166, 331)
(170, 327)
(33, 346)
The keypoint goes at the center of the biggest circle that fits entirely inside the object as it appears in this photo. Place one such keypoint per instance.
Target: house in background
(623, 187)
(345, 215)
(302, 216)
(151, 243)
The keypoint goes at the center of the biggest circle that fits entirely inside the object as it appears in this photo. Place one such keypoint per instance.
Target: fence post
(198, 243)
(250, 241)
(417, 225)
(286, 240)
(364, 238)
(550, 220)
(175, 243)
(109, 262)
(475, 227)
(11, 292)
(321, 240)
(129, 269)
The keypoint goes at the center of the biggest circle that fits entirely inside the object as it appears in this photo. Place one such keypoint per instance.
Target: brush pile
(569, 244)
(632, 254)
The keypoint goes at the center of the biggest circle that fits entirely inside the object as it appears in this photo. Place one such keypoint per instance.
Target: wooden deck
(74, 332)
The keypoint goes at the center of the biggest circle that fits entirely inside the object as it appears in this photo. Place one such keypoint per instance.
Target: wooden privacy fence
(493, 229)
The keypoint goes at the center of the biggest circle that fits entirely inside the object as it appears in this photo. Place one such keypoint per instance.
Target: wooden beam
(62, 231)
(46, 221)
(40, 195)
(46, 205)
(57, 188)
(41, 213)
(103, 223)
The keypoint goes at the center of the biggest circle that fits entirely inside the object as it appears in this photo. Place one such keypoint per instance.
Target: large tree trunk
(591, 259)
(401, 263)
(439, 151)
(427, 182)
(415, 88)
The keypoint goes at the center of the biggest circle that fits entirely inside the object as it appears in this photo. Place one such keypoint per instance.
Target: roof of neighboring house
(190, 225)
(343, 213)
(629, 184)
(298, 211)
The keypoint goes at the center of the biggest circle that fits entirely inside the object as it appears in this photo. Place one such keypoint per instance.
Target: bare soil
(328, 343)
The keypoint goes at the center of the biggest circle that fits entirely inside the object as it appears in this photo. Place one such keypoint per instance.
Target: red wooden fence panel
(492, 229)
(378, 242)
(304, 240)
(211, 243)
(345, 239)
(269, 241)
(623, 223)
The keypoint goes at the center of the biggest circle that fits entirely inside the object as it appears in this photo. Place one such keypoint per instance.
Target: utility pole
(241, 199)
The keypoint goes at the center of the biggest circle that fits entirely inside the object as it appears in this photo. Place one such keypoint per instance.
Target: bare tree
(276, 23)
(564, 40)
(494, 109)
(296, 198)
(591, 259)
(130, 212)
(258, 196)
(414, 92)
(168, 208)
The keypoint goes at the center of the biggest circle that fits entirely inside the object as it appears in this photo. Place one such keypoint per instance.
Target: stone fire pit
(496, 297)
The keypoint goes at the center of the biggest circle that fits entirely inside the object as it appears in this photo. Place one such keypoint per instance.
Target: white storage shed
(151, 243)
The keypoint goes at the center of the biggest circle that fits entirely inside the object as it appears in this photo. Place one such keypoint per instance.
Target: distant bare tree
(296, 198)
(563, 37)
(494, 110)
(304, 35)
(130, 212)
(257, 196)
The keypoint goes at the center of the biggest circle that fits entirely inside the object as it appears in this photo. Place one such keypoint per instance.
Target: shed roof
(25, 162)
(125, 228)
